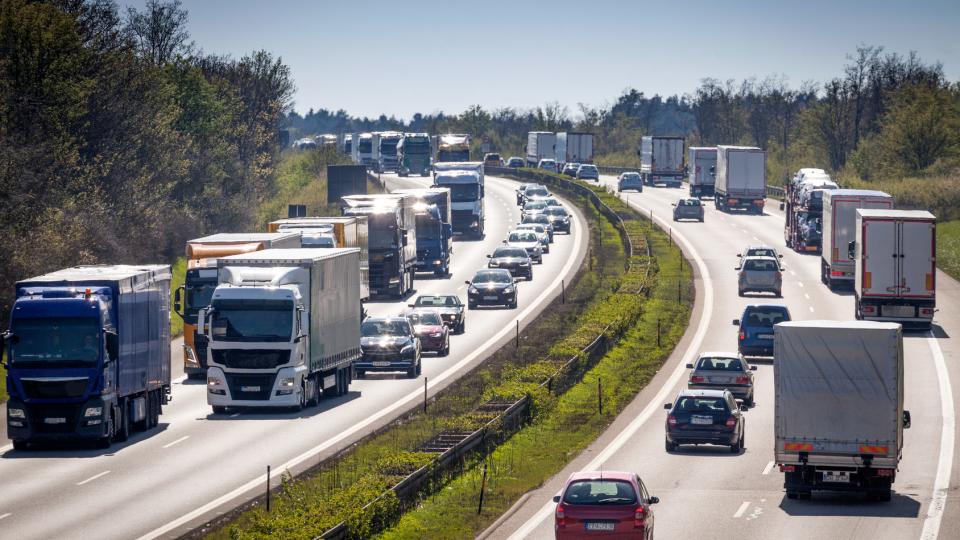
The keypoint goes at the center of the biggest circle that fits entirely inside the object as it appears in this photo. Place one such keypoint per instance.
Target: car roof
(754, 306)
(487, 271)
(759, 258)
(719, 354)
(759, 246)
(597, 475)
(702, 393)
(392, 318)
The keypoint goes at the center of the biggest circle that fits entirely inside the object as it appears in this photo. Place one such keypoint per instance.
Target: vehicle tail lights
(743, 380)
(926, 312)
(884, 472)
(561, 517)
(731, 422)
(788, 468)
(743, 335)
(696, 379)
(672, 420)
(836, 273)
(639, 517)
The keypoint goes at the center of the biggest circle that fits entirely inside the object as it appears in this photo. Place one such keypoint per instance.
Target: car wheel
(446, 349)
(471, 305)
(748, 402)
(513, 305)
(739, 292)
(361, 373)
(412, 373)
(738, 446)
(669, 446)
(779, 293)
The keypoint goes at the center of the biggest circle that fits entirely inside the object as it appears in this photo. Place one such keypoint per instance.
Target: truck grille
(250, 386)
(251, 359)
(461, 219)
(73, 388)
(40, 413)
(200, 348)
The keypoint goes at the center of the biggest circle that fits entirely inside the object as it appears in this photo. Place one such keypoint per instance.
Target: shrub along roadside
(948, 247)
(179, 271)
(524, 462)
(306, 508)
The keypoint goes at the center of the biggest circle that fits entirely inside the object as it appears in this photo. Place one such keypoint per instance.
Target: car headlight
(408, 349)
(509, 290)
(93, 411)
(286, 382)
(473, 290)
(524, 263)
(16, 413)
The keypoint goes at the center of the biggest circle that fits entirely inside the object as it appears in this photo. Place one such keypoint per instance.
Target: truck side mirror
(851, 249)
(906, 419)
(113, 344)
(782, 206)
(556, 498)
(177, 302)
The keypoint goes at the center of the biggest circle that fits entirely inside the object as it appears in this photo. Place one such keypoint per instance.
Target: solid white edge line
(92, 478)
(180, 440)
(415, 395)
(768, 468)
(741, 510)
(5, 448)
(938, 500)
(8, 514)
(657, 402)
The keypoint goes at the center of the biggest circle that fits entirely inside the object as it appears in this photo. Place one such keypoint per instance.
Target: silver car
(760, 250)
(541, 231)
(723, 371)
(529, 241)
(759, 274)
(533, 207)
(630, 180)
(688, 209)
(588, 172)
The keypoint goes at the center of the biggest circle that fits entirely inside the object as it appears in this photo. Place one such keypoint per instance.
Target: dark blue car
(755, 336)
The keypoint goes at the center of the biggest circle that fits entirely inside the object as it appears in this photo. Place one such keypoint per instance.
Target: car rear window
(690, 202)
(765, 316)
(760, 266)
(721, 364)
(761, 252)
(695, 404)
(600, 492)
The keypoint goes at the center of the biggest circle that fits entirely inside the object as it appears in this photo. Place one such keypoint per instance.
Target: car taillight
(869, 310)
(743, 335)
(926, 312)
(561, 518)
(835, 273)
(639, 517)
(787, 468)
(743, 380)
(884, 472)
(672, 420)
(696, 378)
(732, 421)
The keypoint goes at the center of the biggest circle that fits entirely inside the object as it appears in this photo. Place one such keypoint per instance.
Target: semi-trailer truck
(414, 154)
(661, 160)
(540, 145)
(465, 181)
(367, 151)
(702, 163)
(895, 266)
(387, 160)
(434, 230)
(839, 229)
(741, 179)
(88, 354)
(284, 328)
(803, 210)
(391, 225)
(573, 147)
(453, 147)
(201, 279)
(838, 406)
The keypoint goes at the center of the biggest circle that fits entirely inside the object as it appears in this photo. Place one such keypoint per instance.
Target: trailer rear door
(879, 258)
(917, 258)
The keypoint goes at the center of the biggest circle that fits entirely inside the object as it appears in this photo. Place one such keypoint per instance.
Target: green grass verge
(524, 462)
(179, 272)
(948, 247)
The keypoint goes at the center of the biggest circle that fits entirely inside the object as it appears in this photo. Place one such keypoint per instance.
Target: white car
(529, 241)
(541, 231)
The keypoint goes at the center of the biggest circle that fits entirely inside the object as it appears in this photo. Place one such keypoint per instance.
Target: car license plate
(720, 380)
(381, 364)
(842, 477)
(600, 526)
(54, 420)
(765, 336)
(897, 311)
(701, 420)
(489, 297)
(249, 388)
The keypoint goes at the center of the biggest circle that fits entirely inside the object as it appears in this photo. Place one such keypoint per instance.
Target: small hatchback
(630, 180)
(755, 328)
(688, 209)
(705, 417)
(759, 274)
(611, 504)
(588, 172)
(723, 371)
(516, 162)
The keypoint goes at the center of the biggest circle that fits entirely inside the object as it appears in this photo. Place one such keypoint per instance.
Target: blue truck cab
(755, 328)
(434, 229)
(88, 354)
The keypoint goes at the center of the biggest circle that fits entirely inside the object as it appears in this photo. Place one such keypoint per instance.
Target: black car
(570, 169)
(388, 344)
(688, 209)
(559, 218)
(516, 162)
(705, 417)
(514, 259)
(492, 288)
(452, 310)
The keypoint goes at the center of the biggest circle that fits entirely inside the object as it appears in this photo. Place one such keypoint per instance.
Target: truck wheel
(669, 446)
(361, 373)
(154, 409)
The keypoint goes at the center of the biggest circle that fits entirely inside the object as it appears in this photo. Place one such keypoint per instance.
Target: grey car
(492, 287)
(759, 274)
(535, 192)
(760, 250)
(688, 209)
(520, 192)
(542, 220)
(388, 344)
(516, 162)
(723, 371)
(559, 218)
(514, 259)
(451, 309)
(533, 207)
(541, 231)
(570, 169)
(528, 240)
(630, 180)
(588, 172)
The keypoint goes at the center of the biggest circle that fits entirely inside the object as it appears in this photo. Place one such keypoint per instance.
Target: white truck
(366, 149)
(839, 229)
(540, 145)
(838, 406)
(661, 160)
(895, 260)
(741, 180)
(573, 147)
(465, 182)
(284, 328)
(702, 163)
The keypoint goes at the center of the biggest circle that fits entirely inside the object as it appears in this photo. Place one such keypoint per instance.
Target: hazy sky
(404, 56)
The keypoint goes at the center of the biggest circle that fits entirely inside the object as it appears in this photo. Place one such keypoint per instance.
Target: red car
(428, 326)
(608, 504)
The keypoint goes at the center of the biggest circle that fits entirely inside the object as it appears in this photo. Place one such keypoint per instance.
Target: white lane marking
(92, 478)
(180, 440)
(655, 404)
(741, 510)
(414, 395)
(8, 514)
(792, 273)
(800, 283)
(5, 448)
(931, 523)
(811, 309)
(768, 468)
(755, 238)
(807, 296)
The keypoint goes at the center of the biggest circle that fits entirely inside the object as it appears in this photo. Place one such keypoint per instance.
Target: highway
(197, 465)
(706, 492)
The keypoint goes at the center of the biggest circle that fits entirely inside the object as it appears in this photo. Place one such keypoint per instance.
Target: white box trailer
(702, 164)
(838, 405)
(661, 160)
(895, 259)
(839, 229)
(741, 180)
(573, 147)
(284, 327)
(540, 145)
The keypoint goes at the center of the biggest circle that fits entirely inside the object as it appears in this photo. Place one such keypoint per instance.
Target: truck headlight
(93, 411)
(214, 381)
(287, 382)
(16, 413)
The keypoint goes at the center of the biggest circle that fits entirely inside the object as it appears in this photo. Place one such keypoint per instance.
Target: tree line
(119, 140)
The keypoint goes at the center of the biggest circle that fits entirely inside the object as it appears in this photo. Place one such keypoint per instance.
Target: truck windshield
(252, 320)
(383, 231)
(365, 146)
(416, 147)
(428, 228)
(463, 192)
(199, 294)
(72, 341)
(388, 147)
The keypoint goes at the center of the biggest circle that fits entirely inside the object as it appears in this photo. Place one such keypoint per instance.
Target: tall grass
(948, 247)
(302, 179)
(938, 194)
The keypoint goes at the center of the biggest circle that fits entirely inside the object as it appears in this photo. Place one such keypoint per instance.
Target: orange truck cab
(201, 279)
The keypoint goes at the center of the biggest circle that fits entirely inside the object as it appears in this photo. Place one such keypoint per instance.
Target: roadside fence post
(600, 395)
(424, 394)
(658, 332)
(483, 486)
(563, 291)
(670, 233)
(518, 333)
(679, 290)
(268, 488)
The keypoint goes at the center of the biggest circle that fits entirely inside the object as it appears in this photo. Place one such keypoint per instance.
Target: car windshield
(463, 192)
(534, 205)
(761, 252)
(436, 301)
(589, 168)
(426, 318)
(492, 277)
(509, 252)
(631, 176)
(537, 218)
(720, 364)
(383, 327)
(700, 404)
(760, 265)
(600, 492)
(556, 211)
(538, 191)
(765, 316)
(55, 341)
(522, 237)
(252, 320)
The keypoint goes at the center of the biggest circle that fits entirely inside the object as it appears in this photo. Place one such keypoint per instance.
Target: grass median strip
(948, 247)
